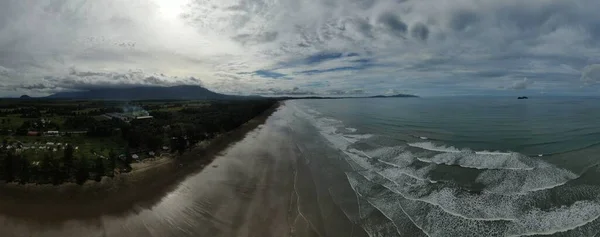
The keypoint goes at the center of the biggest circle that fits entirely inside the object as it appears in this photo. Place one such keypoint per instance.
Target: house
(52, 133)
(143, 117)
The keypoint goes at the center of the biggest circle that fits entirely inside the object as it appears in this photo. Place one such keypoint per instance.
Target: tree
(82, 174)
(128, 158)
(68, 160)
(181, 144)
(46, 169)
(154, 142)
(98, 169)
(112, 162)
(8, 167)
(57, 175)
(25, 174)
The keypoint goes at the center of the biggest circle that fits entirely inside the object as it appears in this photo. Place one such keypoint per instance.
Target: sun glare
(171, 8)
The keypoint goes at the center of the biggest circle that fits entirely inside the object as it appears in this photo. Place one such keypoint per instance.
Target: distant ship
(522, 98)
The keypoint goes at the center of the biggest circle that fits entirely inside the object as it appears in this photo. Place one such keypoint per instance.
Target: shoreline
(124, 193)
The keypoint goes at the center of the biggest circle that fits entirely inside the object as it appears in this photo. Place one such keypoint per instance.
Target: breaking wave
(430, 189)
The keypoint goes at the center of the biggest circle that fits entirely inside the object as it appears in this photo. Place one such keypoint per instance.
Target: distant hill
(25, 97)
(148, 93)
(349, 97)
(393, 96)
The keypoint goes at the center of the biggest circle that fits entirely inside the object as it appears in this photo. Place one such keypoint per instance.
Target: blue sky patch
(270, 74)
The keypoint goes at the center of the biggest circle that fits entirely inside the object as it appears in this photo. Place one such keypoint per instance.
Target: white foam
(332, 129)
(486, 207)
(423, 138)
(353, 138)
(561, 219)
(510, 161)
(442, 213)
(510, 182)
(432, 147)
(544, 176)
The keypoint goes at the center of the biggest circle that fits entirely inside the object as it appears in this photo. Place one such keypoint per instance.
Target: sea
(453, 166)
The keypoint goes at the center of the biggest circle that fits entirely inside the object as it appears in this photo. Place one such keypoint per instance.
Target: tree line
(15, 167)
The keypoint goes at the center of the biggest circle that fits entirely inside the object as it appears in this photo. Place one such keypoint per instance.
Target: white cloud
(521, 85)
(430, 46)
(591, 73)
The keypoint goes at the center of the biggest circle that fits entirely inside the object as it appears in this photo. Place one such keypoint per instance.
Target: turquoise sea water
(457, 166)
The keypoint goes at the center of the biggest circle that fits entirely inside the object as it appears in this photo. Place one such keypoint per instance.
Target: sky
(303, 47)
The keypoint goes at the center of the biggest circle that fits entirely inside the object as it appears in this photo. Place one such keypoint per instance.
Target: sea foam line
(431, 147)
(470, 167)
(382, 212)
(403, 195)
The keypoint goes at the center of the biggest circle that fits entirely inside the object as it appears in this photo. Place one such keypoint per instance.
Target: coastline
(125, 193)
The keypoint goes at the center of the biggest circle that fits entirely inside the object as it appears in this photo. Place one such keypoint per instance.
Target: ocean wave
(433, 147)
(544, 176)
(409, 184)
(453, 219)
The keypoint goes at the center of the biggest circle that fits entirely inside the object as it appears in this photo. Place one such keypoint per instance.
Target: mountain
(147, 93)
(25, 97)
(347, 97)
(393, 96)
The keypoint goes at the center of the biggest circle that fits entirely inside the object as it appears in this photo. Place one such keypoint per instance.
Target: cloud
(393, 23)
(345, 92)
(521, 85)
(420, 31)
(433, 47)
(87, 80)
(295, 91)
(591, 74)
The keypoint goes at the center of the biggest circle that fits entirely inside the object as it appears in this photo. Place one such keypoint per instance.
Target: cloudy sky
(298, 47)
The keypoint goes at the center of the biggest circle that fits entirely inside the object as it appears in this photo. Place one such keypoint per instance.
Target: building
(52, 134)
(144, 117)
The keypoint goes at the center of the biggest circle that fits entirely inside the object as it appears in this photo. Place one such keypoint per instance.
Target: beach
(254, 186)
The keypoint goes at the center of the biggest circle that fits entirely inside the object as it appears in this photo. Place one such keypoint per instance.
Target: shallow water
(385, 167)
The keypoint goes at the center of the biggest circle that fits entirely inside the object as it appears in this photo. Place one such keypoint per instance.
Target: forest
(52, 142)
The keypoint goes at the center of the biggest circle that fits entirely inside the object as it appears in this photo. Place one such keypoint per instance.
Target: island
(522, 97)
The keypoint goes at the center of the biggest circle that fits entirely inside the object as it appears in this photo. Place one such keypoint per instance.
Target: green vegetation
(75, 141)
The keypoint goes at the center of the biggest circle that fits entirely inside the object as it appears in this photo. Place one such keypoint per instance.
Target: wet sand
(255, 187)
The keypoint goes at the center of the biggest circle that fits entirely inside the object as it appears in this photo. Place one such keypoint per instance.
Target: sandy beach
(256, 185)
(143, 187)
